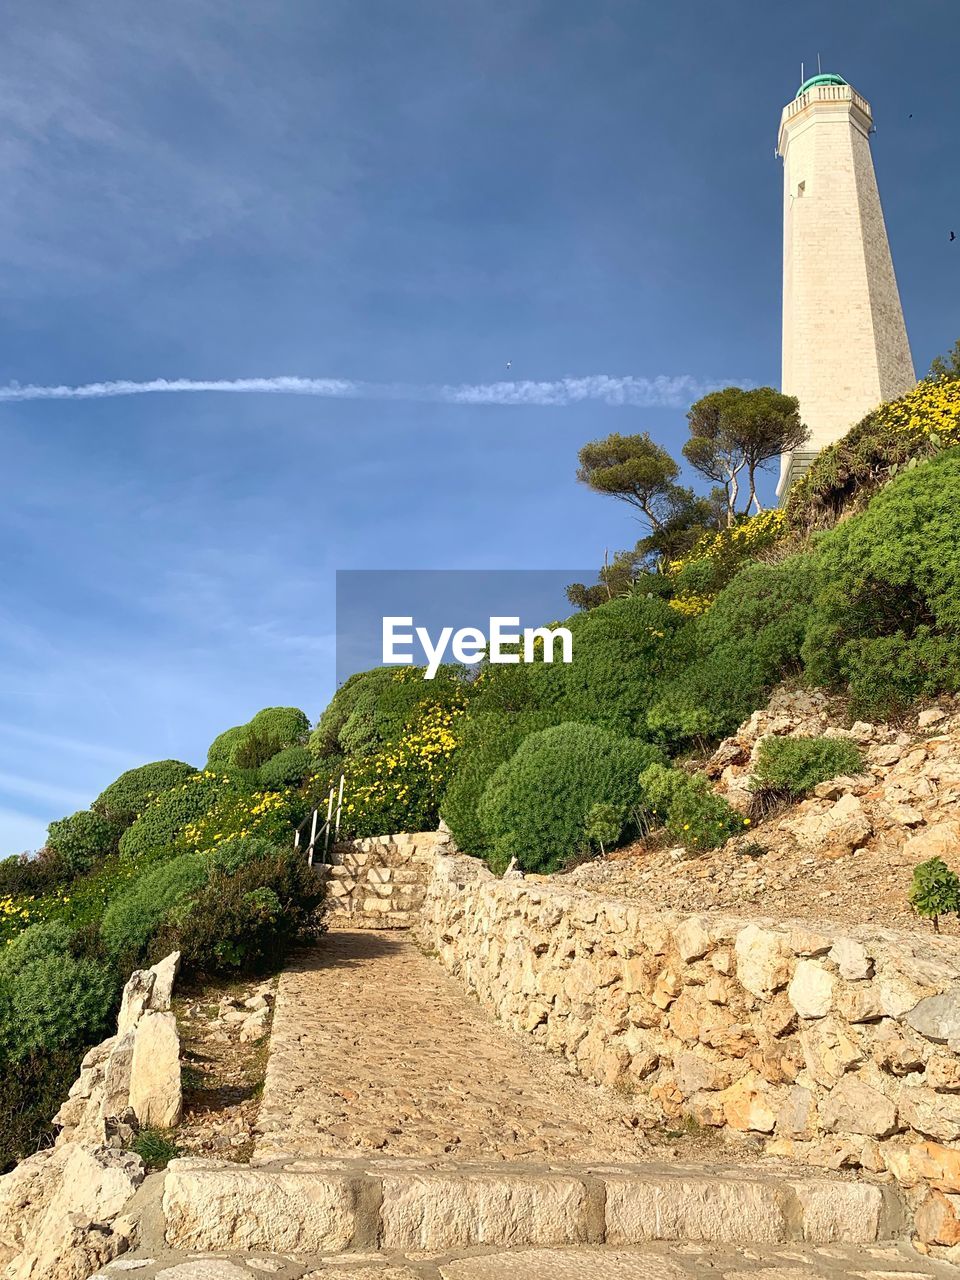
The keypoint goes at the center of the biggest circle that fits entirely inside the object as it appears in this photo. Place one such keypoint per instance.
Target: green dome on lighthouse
(825, 78)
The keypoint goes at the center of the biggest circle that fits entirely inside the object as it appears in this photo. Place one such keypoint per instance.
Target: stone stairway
(404, 1134)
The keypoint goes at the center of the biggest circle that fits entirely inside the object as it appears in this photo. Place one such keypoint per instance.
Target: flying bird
(953, 235)
(509, 364)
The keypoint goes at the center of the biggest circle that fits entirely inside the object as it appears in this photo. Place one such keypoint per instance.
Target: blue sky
(386, 192)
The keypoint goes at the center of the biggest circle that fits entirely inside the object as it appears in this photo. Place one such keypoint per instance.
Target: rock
(858, 1002)
(116, 1079)
(943, 1072)
(846, 1212)
(844, 825)
(693, 941)
(936, 1219)
(941, 840)
(829, 1050)
(924, 1162)
(797, 1114)
(211, 1205)
(164, 976)
(764, 960)
(853, 1106)
(135, 998)
(255, 1027)
(695, 1074)
(70, 1237)
(935, 1115)
(155, 1091)
(938, 1017)
(851, 959)
(932, 715)
(748, 1106)
(811, 989)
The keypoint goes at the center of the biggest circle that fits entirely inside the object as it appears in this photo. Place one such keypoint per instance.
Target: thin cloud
(660, 392)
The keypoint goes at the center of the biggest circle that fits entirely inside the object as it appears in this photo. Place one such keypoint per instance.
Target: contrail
(658, 392)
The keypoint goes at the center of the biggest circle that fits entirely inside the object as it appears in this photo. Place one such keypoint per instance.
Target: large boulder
(156, 1095)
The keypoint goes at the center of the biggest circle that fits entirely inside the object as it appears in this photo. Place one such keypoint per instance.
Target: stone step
(313, 1206)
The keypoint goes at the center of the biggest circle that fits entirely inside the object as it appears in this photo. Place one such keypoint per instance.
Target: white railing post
(313, 836)
(326, 825)
(339, 807)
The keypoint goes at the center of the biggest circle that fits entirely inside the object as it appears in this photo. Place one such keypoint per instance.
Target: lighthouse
(845, 347)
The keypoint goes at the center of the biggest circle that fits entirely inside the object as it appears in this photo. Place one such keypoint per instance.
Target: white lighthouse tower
(845, 347)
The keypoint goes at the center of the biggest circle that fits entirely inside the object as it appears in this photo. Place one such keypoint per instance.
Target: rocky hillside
(845, 853)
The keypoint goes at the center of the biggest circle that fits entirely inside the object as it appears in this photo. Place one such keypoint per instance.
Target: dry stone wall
(380, 882)
(63, 1210)
(838, 1048)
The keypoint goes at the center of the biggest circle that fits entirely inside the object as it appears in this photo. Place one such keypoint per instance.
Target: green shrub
(247, 919)
(749, 640)
(604, 825)
(221, 748)
(886, 618)
(236, 851)
(287, 768)
(124, 800)
(795, 765)
(935, 891)
(622, 653)
(536, 804)
(165, 818)
(25, 876)
(685, 805)
(134, 916)
(372, 708)
(490, 737)
(29, 1097)
(82, 839)
(248, 746)
(896, 435)
(272, 815)
(50, 999)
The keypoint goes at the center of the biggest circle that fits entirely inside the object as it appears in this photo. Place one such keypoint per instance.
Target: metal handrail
(330, 824)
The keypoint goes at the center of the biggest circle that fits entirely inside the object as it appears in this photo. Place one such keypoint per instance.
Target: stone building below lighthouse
(845, 347)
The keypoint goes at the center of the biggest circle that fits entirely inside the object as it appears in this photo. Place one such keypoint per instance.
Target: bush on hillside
(886, 620)
(490, 737)
(793, 766)
(684, 804)
(221, 748)
(622, 651)
(82, 840)
(271, 815)
(246, 918)
(536, 805)
(934, 891)
(248, 746)
(604, 826)
(23, 875)
(29, 1097)
(898, 434)
(135, 915)
(165, 817)
(287, 768)
(50, 999)
(126, 798)
(749, 640)
(399, 788)
(372, 708)
(718, 556)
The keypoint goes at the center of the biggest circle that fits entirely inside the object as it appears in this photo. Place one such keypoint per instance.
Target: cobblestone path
(375, 1049)
(654, 1262)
